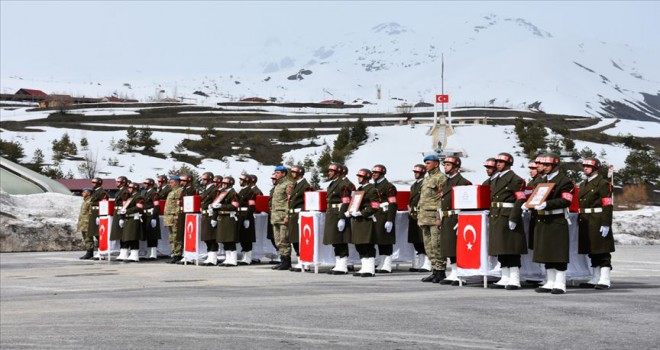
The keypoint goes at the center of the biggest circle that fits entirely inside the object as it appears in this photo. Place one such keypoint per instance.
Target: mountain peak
(391, 28)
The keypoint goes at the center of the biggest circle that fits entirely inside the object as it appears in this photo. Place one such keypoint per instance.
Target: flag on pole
(307, 233)
(190, 233)
(104, 234)
(441, 98)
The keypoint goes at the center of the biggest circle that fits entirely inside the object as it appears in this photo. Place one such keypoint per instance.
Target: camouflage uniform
(279, 210)
(83, 223)
(172, 208)
(427, 214)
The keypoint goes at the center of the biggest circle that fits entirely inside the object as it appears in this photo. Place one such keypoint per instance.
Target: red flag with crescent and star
(190, 233)
(441, 98)
(104, 225)
(468, 241)
(306, 238)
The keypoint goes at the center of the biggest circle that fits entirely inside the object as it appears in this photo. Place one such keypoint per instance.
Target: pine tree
(132, 138)
(148, 142)
(84, 144)
(359, 132)
(11, 150)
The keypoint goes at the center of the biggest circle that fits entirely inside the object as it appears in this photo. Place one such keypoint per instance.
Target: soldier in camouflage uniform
(296, 199)
(280, 206)
(130, 220)
(385, 218)
(83, 223)
(551, 238)
(115, 231)
(421, 263)
(595, 223)
(335, 232)
(150, 220)
(225, 220)
(172, 207)
(449, 216)
(269, 230)
(362, 224)
(207, 193)
(506, 233)
(98, 194)
(428, 217)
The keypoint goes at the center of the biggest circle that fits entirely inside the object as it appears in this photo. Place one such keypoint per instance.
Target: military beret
(174, 177)
(88, 189)
(432, 157)
(281, 168)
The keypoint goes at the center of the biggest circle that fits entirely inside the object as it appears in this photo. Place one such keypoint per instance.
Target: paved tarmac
(55, 301)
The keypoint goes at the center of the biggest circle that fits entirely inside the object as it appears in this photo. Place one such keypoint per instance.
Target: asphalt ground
(55, 301)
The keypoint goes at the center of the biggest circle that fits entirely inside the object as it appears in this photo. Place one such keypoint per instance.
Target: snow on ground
(637, 227)
(601, 123)
(21, 114)
(34, 210)
(635, 128)
(615, 154)
(139, 126)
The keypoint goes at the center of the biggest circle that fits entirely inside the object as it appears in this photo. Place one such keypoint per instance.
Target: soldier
(551, 240)
(98, 194)
(131, 222)
(207, 193)
(151, 224)
(449, 216)
(163, 189)
(269, 226)
(246, 232)
(491, 170)
(296, 199)
(335, 231)
(385, 218)
(172, 207)
(225, 220)
(115, 231)
(83, 223)
(535, 179)
(362, 224)
(507, 235)
(279, 208)
(428, 217)
(421, 263)
(595, 222)
(188, 189)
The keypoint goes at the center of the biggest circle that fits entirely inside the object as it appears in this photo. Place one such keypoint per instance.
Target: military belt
(227, 212)
(149, 211)
(445, 213)
(550, 212)
(501, 205)
(243, 209)
(384, 205)
(337, 206)
(591, 210)
(296, 210)
(95, 208)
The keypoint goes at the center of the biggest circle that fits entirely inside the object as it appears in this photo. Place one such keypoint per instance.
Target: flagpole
(442, 81)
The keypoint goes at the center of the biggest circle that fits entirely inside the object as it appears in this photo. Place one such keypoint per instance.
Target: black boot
(277, 267)
(439, 276)
(88, 255)
(286, 263)
(430, 277)
(175, 259)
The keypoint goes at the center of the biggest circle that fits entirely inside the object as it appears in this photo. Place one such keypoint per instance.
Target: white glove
(456, 228)
(210, 211)
(512, 225)
(356, 214)
(246, 223)
(541, 206)
(210, 207)
(524, 207)
(122, 211)
(121, 223)
(347, 214)
(341, 224)
(216, 205)
(604, 230)
(214, 223)
(98, 221)
(153, 223)
(388, 226)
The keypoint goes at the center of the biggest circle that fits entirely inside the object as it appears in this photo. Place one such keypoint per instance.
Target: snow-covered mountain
(489, 60)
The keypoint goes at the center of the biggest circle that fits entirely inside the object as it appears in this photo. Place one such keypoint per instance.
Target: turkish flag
(307, 238)
(104, 233)
(441, 98)
(190, 233)
(468, 241)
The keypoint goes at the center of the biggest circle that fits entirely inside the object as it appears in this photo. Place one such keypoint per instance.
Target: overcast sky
(87, 40)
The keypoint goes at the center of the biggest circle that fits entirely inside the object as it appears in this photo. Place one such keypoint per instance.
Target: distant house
(254, 99)
(332, 102)
(56, 101)
(76, 185)
(116, 99)
(30, 92)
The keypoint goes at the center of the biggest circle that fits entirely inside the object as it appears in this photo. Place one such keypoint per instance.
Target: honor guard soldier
(131, 222)
(428, 217)
(83, 223)
(551, 240)
(115, 231)
(225, 220)
(385, 218)
(363, 222)
(421, 263)
(449, 216)
(335, 230)
(207, 194)
(247, 201)
(163, 189)
(172, 206)
(296, 199)
(98, 194)
(151, 222)
(534, 179)
(595, 224)
(279, 213)
(491, 170)
(507, 235)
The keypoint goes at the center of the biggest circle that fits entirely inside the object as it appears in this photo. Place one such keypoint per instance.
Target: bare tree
(89, 166)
